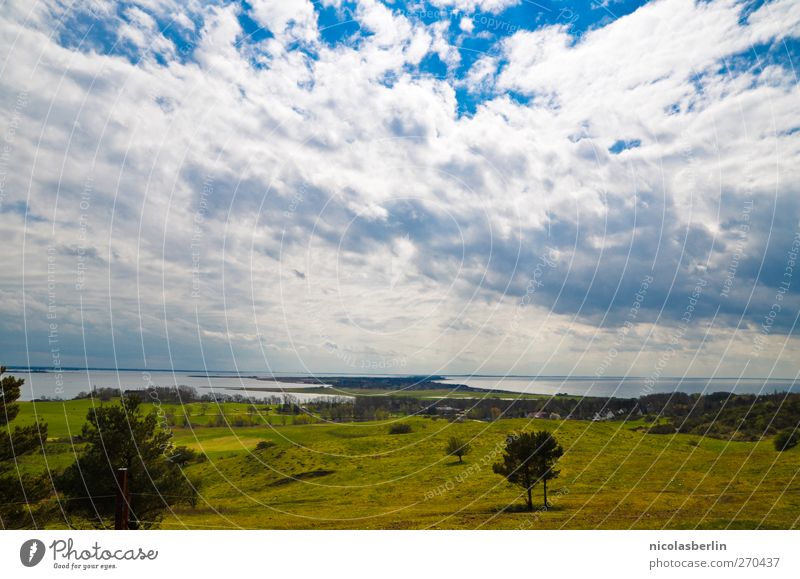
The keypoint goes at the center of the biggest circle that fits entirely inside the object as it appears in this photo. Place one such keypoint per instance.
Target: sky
(452, 186)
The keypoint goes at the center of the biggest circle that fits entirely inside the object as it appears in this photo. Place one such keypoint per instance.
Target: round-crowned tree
(529, 459)
(457, 447)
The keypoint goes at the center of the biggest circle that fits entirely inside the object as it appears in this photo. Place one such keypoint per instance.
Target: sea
(69, 383)
(624, 387)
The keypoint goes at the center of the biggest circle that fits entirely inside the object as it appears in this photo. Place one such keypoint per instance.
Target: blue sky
(451, 186)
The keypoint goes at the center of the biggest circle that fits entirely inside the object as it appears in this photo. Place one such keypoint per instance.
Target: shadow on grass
(523, 508)
(301, 476)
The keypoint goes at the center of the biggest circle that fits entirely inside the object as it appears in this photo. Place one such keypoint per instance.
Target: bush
(786, 439)
(400, 428)
(661, 429)
(182, 455)
(239, 421)
(300, 419)
(264, 445)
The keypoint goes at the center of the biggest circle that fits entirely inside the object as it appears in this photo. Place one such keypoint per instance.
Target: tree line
(746, 417)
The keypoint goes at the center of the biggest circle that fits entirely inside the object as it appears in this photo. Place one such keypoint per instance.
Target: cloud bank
(339, 186)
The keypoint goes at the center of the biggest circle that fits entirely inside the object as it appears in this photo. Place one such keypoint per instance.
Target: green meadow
(358, 476)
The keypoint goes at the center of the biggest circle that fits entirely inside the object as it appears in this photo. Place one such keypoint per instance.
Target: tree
(122, 435)
(457, 447)
(19, 492)
(530, 459)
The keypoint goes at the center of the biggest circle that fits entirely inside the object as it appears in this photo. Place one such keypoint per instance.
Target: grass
(66, 418)
(360, 476)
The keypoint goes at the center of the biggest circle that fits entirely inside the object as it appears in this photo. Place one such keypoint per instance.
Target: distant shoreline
(392, 383)
(254, 375)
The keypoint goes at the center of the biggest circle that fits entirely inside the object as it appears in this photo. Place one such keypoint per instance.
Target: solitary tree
(530, 459)
(457, 447)
(122, 435)
(19, 491)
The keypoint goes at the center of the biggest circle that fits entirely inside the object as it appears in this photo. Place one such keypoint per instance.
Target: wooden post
(121, 505)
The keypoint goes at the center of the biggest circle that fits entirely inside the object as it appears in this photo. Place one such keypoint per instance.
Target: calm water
(41, 384)
(625, 387)
(69, 384)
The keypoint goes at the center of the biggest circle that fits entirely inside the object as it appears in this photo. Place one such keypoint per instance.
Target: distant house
(600, 417)
(453, 414)
(539, 415)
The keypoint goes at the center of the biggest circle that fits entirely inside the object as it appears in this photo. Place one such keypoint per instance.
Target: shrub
(661, 429)
(786, 439)
(300, 419)
(400, 428)
(264, 444)
(182, 455)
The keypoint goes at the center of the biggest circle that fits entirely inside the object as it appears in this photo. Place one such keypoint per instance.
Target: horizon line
(248, 373)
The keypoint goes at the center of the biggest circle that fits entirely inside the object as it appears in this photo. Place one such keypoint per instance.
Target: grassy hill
(357, 475)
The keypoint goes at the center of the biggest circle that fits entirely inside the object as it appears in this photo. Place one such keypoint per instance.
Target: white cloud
(293, 18)
(358, 173)
(471, 6)
(777, 19)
